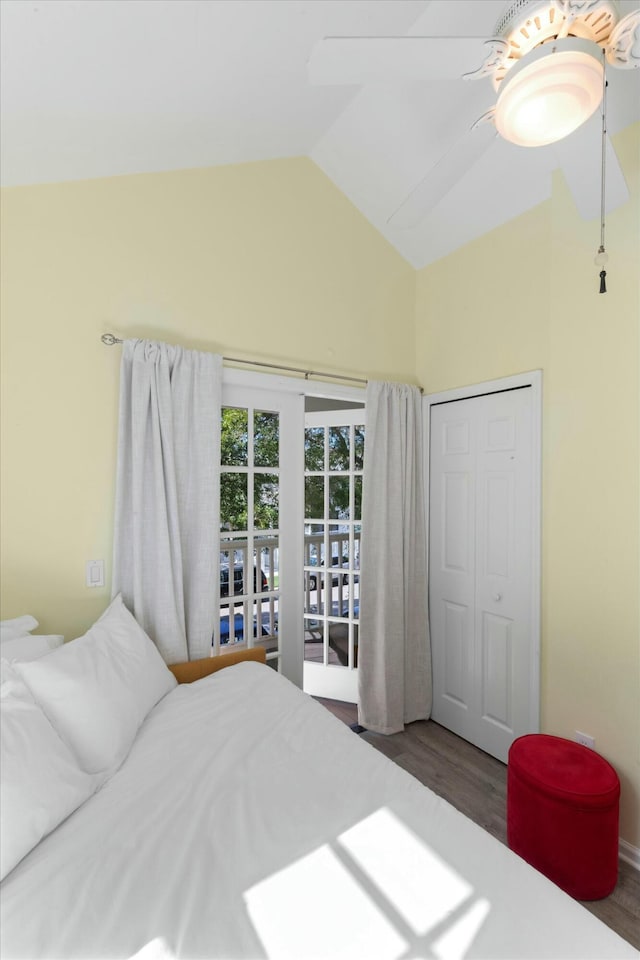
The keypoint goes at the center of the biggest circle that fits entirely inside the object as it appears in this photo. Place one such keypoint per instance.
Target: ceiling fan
(546, 61)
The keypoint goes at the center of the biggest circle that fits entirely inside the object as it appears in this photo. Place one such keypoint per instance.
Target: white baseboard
(629, 853)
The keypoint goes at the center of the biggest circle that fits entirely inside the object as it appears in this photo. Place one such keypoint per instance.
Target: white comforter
(248, 822)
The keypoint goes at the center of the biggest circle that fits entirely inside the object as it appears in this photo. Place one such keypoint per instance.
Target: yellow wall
(525, 297)
(266, 261)
(269, 261)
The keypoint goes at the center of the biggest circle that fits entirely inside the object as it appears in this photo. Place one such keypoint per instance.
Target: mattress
(248, 822)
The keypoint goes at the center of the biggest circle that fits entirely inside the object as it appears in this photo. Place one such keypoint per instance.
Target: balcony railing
(332, 594)
(249, 606)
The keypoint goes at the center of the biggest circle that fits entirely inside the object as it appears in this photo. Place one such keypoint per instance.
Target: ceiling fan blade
(580, 158)
(443, 176)
(357, 60)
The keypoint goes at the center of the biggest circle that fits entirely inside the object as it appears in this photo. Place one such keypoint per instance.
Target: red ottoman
(562, 813)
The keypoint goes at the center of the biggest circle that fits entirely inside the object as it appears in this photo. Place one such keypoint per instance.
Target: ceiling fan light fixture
(550, 92)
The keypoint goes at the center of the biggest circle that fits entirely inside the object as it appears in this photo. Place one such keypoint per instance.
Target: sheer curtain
(394, 655)
(167, 494)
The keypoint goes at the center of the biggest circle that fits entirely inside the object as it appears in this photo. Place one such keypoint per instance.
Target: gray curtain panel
(394, 655)
(165, 557)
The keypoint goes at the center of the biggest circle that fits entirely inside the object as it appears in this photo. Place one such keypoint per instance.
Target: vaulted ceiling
(95, 88)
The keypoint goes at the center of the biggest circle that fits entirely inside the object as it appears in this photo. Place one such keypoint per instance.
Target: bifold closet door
(480, 566)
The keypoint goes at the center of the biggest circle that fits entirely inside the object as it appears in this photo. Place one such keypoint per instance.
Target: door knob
(497, 596)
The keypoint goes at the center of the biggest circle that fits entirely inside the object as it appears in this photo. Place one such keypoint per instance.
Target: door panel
(334, 446)
(455, 653)
(496, 670)
(498, 499)
(452, 549)
(456, 522)
(480, 520)
(260, 549)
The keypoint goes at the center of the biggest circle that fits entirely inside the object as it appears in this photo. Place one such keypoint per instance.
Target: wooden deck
(313, 653)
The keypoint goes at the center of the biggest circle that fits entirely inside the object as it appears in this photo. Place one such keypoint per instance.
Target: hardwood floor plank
(476, 784)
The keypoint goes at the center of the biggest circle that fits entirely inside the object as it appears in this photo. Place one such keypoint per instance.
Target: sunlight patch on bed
(419, 884)
(156, 949)
(316, 908)
(377, 891)
(458, 937)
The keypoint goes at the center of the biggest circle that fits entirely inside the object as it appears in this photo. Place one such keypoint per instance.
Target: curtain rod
(110, 340)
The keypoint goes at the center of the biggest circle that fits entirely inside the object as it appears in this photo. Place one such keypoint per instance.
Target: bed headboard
(196, 669)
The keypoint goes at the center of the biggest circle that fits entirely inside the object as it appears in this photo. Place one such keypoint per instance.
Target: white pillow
(10, 682)
(97, 690)
(30, 647)
(41, 782)
(9, 629)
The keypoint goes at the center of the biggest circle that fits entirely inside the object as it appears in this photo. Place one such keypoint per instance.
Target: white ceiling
(94, 88)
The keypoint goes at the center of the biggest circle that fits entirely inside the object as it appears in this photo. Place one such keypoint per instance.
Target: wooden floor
(475, 784)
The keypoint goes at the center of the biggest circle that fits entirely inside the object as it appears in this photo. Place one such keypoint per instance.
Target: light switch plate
(95, 573)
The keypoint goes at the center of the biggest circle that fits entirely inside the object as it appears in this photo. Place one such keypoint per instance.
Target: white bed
(246, 821)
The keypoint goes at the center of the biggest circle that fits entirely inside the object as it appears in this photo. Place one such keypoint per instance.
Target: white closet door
(481, 567)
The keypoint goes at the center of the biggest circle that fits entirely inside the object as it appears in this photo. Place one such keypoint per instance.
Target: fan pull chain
(603, 285)
(602, 256)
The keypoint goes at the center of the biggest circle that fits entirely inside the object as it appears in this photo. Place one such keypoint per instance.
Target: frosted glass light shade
(550, 93)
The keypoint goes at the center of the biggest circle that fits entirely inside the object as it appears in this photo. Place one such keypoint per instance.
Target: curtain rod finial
(109, 339)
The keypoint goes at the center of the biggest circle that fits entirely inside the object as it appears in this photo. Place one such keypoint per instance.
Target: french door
(259, 593)
(333, 462)
(484, 564)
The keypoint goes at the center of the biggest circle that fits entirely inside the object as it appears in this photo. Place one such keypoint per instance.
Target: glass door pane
(261, 514)
(334, 442)
(249, 530)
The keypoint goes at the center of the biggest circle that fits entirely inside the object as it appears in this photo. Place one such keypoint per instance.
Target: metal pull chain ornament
(602, 257)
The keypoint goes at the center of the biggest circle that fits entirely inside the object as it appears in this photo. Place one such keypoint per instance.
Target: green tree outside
(234, 452)
(234, 443)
